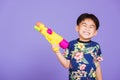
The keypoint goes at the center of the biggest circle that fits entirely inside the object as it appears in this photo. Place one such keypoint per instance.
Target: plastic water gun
(51, 36)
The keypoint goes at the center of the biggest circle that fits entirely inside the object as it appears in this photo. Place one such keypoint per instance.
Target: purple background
(26, 55)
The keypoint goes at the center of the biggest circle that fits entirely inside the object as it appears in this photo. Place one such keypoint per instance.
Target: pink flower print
(99, 59)
(82, 67)
(78, 55)
(65, 54)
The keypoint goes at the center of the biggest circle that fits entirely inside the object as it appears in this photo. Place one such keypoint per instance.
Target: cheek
(78, 29)
(93, 30)
(81, 29)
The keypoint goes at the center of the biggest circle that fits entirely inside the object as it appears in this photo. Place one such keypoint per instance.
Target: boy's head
(89, 16)
(87, 26)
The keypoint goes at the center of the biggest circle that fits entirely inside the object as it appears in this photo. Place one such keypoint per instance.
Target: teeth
(87, 33)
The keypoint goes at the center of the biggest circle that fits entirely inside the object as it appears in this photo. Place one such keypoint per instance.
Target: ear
(77, 28)
(95, 32)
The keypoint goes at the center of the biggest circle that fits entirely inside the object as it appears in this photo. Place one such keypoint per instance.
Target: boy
(83, 56)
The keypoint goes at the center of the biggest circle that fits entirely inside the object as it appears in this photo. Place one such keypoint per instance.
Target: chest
(82, 53)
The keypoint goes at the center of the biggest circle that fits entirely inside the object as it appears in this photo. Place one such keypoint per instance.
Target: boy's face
(86, 29)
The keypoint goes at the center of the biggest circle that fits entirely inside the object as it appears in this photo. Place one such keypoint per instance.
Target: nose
(87, 28)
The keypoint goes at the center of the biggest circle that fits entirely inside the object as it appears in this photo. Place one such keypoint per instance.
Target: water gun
(51, 36)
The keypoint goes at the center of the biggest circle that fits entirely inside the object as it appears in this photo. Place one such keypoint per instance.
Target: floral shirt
(82, 56)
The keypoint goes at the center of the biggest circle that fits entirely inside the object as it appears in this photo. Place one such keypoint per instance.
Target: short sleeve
(98, 53)
(68, 51)
(67, 54)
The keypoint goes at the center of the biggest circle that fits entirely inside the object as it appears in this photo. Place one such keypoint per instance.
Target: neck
(84, 40)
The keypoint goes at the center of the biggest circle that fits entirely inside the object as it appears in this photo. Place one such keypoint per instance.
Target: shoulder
(94, 43)
(73, 42)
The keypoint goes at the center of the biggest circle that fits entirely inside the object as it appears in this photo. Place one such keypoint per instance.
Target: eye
(84, 25)
(92, 27)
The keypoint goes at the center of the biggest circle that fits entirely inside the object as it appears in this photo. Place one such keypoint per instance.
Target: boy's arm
(98, 71)
(65, 63)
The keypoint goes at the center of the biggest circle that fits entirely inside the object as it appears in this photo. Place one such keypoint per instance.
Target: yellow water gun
(51, 36)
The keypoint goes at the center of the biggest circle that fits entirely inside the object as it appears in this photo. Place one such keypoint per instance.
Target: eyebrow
(85, 24)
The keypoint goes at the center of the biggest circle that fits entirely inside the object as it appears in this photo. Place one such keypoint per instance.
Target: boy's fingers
(55, 47)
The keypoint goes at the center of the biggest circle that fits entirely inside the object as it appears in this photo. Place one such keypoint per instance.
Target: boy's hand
(55, 48)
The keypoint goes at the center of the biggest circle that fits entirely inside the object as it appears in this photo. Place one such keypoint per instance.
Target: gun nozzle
(38, 24)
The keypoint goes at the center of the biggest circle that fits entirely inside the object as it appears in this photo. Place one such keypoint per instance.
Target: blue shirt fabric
(82, 56)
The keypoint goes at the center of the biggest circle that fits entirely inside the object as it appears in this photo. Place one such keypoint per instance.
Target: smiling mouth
(86, 33)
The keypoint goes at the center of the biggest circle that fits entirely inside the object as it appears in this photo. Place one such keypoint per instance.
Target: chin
(87, 38)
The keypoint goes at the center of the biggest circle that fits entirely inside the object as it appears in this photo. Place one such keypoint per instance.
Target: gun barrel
(51, 36)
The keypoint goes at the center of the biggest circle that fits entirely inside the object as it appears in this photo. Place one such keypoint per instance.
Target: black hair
(90, 16)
